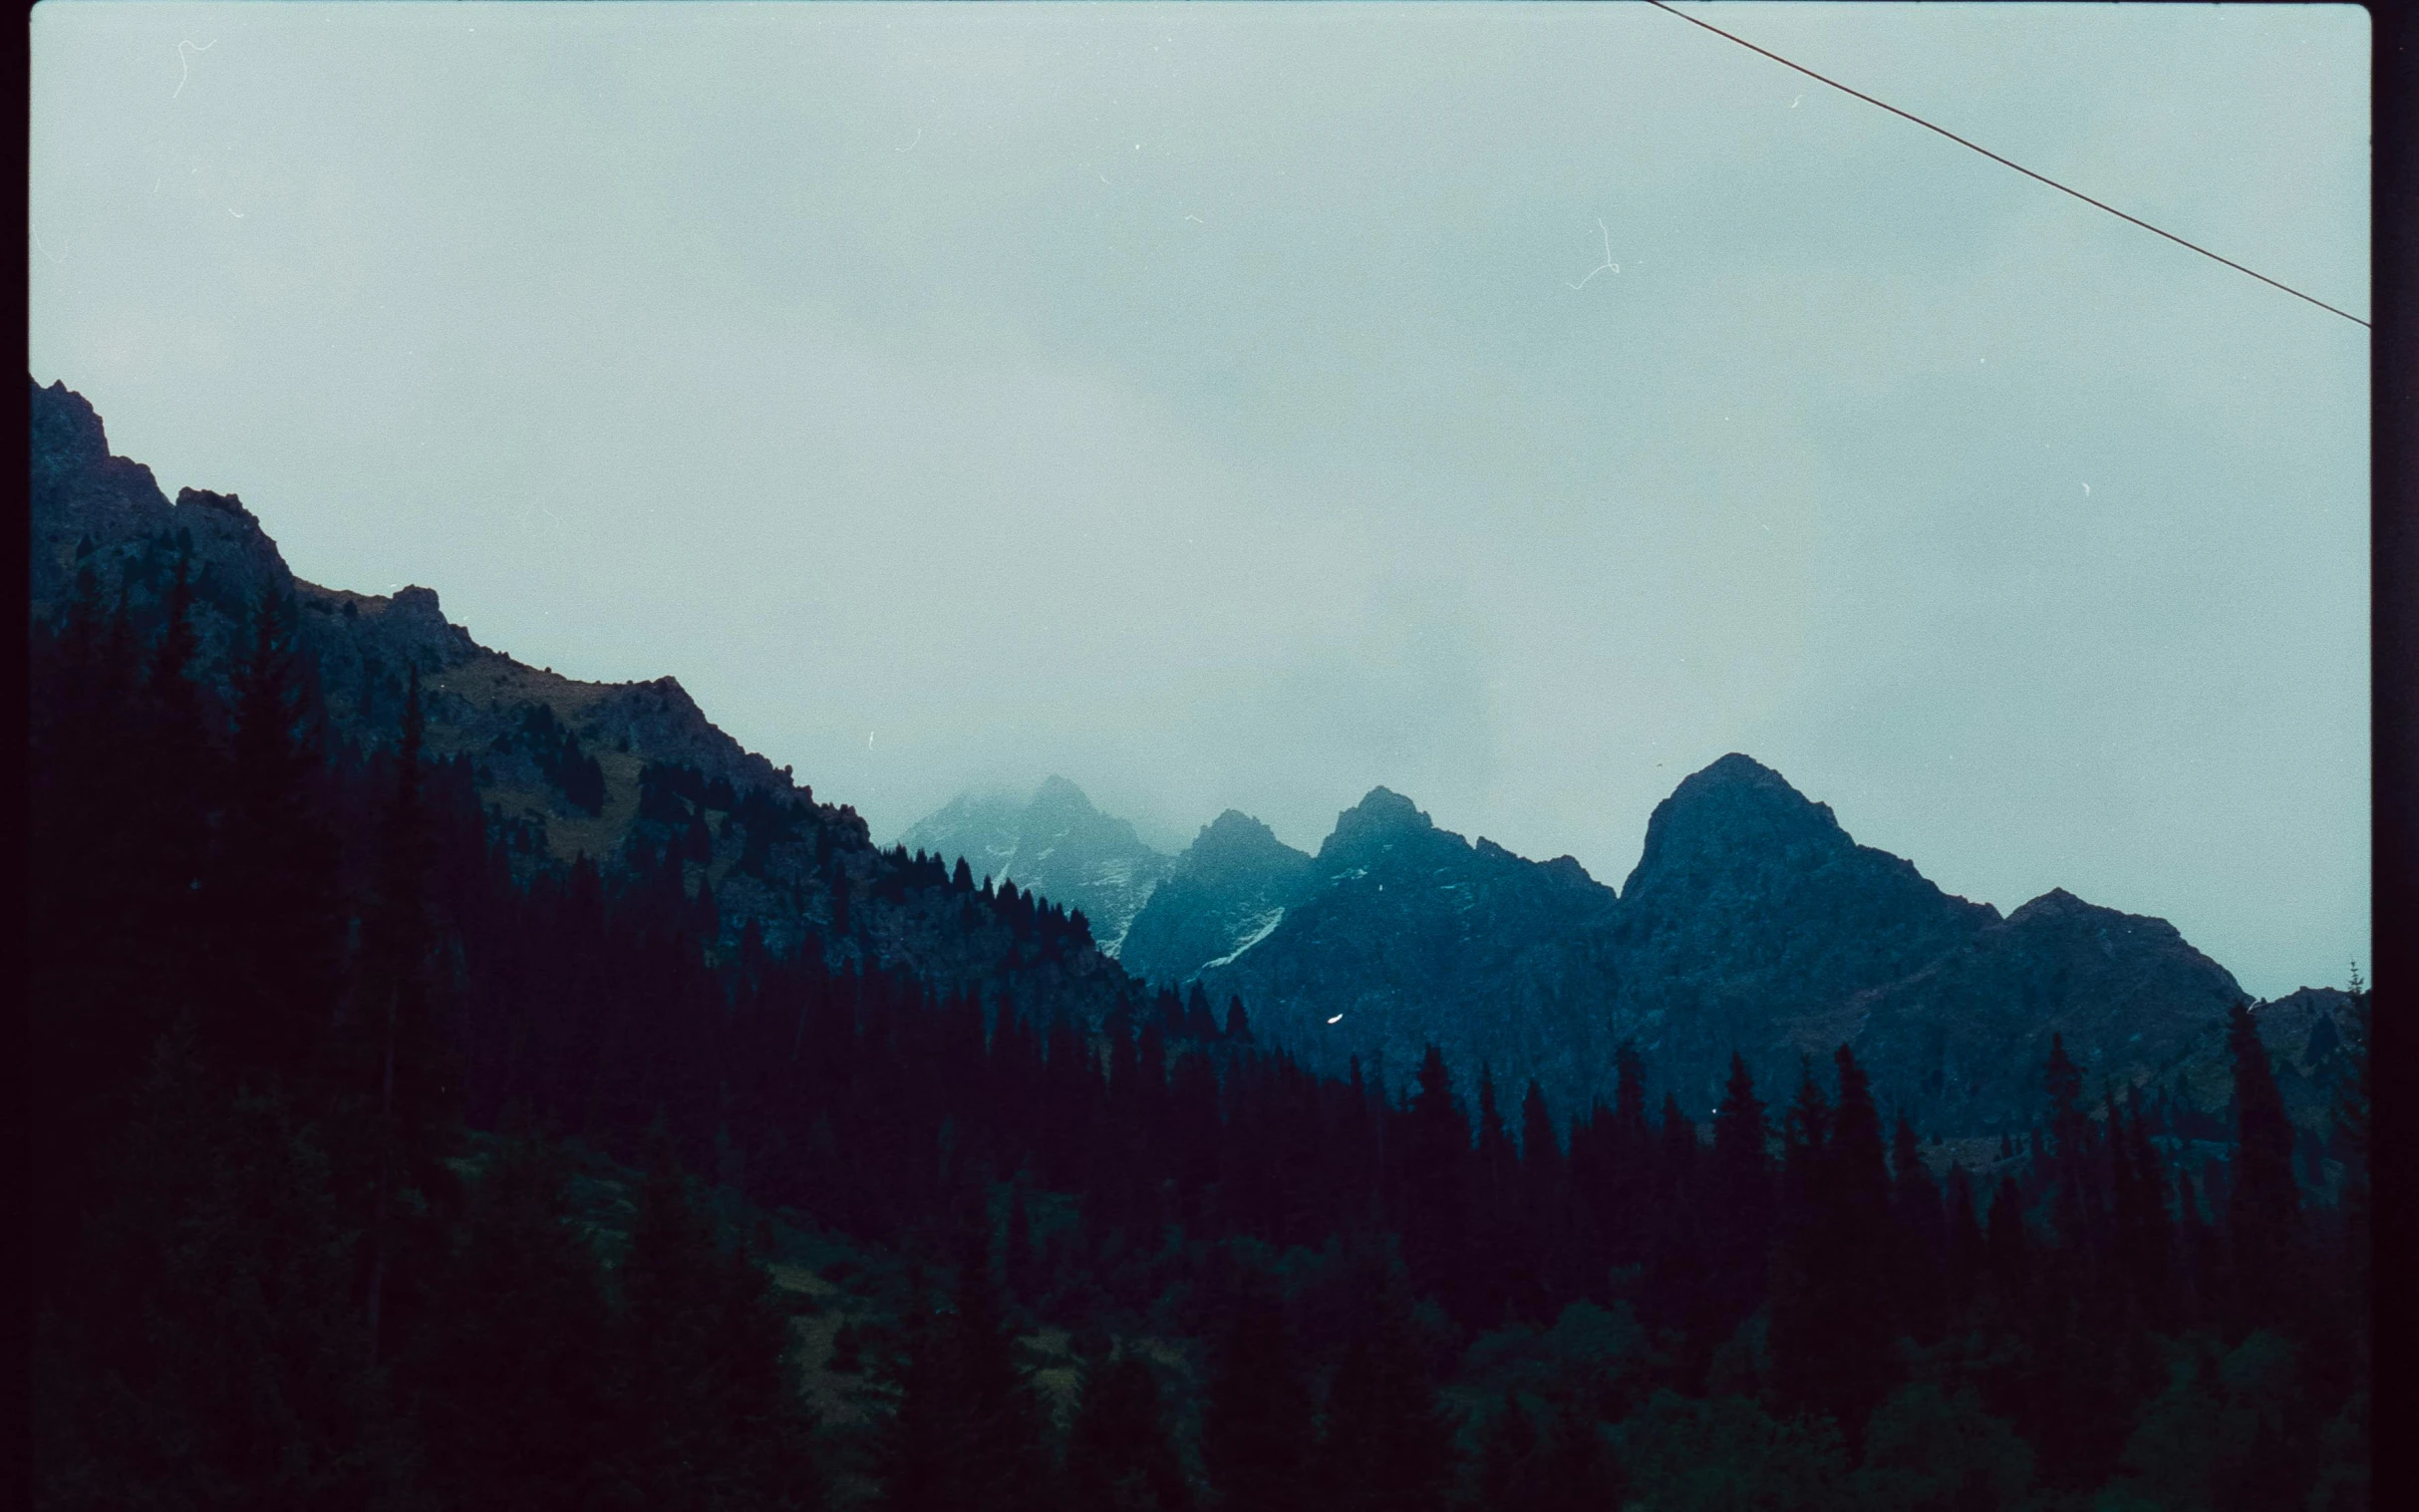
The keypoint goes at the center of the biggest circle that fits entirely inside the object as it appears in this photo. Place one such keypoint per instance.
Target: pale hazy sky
(1195, 401)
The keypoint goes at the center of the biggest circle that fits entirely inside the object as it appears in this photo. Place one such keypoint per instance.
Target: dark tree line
(260, 1278)
(278, 977)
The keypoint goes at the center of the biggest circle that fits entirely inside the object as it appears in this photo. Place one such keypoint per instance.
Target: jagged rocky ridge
(1753, 921)
(613, 772)
(1056, 843)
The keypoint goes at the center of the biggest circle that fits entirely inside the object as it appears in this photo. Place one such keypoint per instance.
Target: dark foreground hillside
(396, 1154)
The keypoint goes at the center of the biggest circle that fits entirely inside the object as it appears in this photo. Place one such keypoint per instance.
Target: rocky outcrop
(92, 511)
(1054, 843)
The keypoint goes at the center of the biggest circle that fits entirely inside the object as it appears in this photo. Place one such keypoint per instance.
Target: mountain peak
(1383, 808)
(1738, 778)
(1371, 825)
(1734, 807)
(1057, 793)
(1235, 831)
(2053, 904)
(1236, 846)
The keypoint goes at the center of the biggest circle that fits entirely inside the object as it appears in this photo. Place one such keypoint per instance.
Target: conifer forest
(390, 1161)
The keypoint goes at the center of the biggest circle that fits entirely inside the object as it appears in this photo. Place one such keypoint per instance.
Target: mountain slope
(1413, 934)
(1225, 894)
(629, 775)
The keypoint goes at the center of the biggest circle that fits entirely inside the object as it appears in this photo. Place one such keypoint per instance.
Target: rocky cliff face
(1401, 933)
(1226, 893)
(1054, 843)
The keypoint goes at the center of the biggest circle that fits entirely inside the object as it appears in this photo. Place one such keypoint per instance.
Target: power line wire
(1996, 158)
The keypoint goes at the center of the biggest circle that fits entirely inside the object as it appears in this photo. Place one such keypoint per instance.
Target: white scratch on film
(1606, 267)
(183, 70)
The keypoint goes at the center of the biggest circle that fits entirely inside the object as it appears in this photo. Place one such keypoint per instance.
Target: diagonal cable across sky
(1996, 158)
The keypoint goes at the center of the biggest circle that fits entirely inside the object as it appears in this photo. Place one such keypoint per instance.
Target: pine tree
(208, 1351)
(1540, 1259)
(2074, 1202)
(2010, 1256)
(1675, 1259)
(1435, 1173)
(1800, 1331)
(1739, 1202)
(174, 805)
(1915, 1201)
(396, 1049)
(94, 1002)
(508, 1375)
(1855, 1248)
(1238, 1023)
(1257, 1439)
(1966, 1258)
(2262, 1207)
(272, 896)
(1119, 1457)
(1198, 1022)
(1496, 1174)
(967, 1434)
(2145, 1233)
(707, 1412)
(1388, 1443)
(1625, 1179)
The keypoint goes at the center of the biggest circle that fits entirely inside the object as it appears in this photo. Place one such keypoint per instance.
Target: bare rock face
(1753, 921)
(1054, 843)
(1229, 889)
